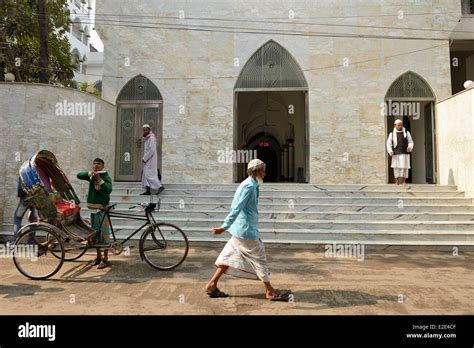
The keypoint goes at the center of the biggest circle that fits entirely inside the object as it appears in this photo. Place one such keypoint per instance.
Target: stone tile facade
(32, 120)
(197, 70)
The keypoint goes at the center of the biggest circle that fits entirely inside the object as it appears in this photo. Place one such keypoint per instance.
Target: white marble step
(302, 236)
(445, 245)
(297, 187)
(301, 207)
(296, 194)
(292, 193)
(293, 199)
(369, 224)
(395, 215)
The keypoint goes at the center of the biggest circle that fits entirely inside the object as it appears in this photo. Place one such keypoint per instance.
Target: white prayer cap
(254, 165)
(398, 121)
(146, 126)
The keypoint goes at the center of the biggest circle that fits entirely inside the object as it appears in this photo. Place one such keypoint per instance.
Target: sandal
(216, 293)
(103, 265)
(280, 295)
(96, 261)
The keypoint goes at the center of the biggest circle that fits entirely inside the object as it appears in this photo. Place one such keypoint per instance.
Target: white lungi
(245, 258)
(400, 165)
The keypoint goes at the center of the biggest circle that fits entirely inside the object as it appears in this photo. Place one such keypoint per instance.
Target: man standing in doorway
(399, 146)
(150, 179)
(244, 254)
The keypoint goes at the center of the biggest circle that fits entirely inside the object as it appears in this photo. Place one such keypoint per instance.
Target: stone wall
(197, 70)
(31, 119)
(455, 135)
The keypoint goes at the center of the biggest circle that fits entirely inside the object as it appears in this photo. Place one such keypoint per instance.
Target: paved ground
(386, 282)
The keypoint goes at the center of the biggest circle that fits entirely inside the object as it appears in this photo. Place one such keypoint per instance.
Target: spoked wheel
(72, 250)
(164, 246)
(38, 252)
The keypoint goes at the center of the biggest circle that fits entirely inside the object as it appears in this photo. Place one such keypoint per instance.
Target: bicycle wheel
(35, 250)
(164, 246)
(72, 250)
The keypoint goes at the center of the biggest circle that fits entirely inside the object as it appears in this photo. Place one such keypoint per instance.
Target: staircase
(315, 215)
(302, 214)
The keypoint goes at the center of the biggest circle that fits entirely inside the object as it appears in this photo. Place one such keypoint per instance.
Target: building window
(86, 36)
(84, 65)
(76, 29)
(467, 7)
(76, 60)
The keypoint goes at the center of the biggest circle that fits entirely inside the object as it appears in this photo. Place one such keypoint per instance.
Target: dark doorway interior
(269, 151)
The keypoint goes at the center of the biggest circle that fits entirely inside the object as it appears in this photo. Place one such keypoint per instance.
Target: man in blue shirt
(244, 254)
(21, 210)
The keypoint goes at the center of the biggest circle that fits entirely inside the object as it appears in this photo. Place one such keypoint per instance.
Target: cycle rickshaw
(62, 234)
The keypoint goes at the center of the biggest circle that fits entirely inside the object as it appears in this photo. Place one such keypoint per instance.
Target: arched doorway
(271, 102)
(411, 99)
(138, 103)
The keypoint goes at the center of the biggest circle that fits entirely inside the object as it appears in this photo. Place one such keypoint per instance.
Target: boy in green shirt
(98, 196)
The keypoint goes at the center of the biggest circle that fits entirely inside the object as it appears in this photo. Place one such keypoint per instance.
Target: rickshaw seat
(67, 209)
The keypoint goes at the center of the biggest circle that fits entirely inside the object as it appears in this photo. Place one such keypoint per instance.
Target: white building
(462, 48)
(86, 45)
(301, 82)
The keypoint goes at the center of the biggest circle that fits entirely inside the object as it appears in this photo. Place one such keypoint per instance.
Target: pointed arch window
(271, 66)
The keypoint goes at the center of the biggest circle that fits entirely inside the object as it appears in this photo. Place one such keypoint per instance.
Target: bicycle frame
(108, 214)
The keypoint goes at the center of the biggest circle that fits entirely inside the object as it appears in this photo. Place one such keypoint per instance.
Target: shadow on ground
(330, 299)
(21, 289)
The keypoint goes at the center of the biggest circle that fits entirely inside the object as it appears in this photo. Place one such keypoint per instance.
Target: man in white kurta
(399, 146)
(150, 179)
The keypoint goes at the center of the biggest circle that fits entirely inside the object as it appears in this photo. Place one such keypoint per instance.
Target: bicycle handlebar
(143, 205)
(109, 207)
(148, 206)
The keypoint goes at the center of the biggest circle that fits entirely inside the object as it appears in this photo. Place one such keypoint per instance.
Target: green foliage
(89, 88)
(19, 29)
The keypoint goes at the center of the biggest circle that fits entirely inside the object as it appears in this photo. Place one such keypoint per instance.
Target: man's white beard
(259, 180)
